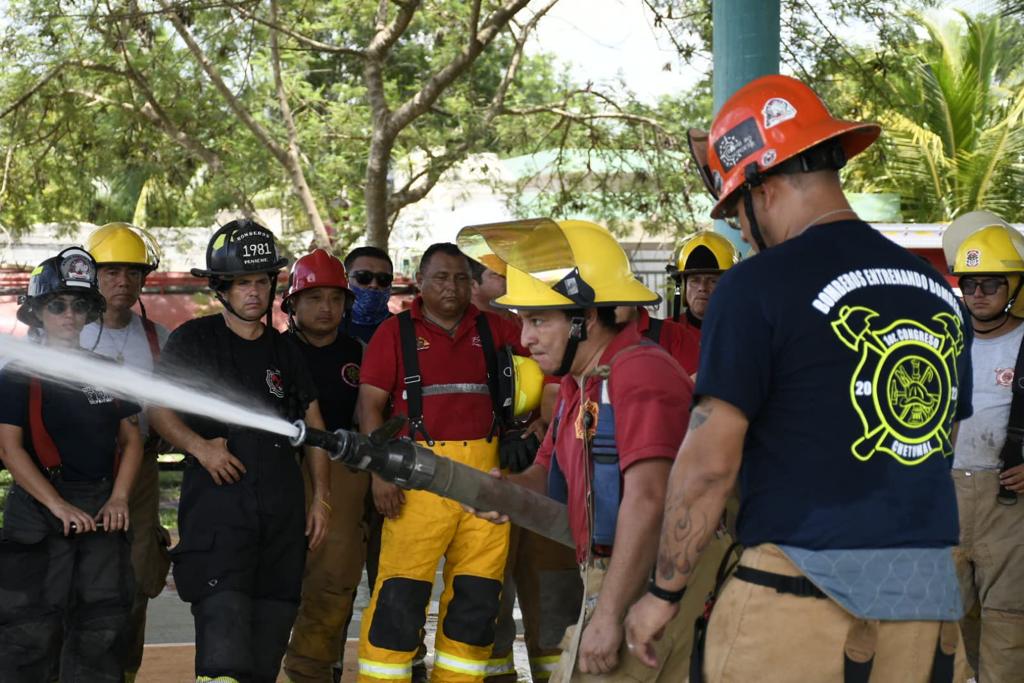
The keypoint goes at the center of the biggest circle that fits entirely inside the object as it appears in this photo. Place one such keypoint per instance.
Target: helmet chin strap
(268, 313)
(1004, 314)
(755, 227)
(577, 334)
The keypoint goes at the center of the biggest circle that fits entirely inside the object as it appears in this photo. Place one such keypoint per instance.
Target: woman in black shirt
(73, 451)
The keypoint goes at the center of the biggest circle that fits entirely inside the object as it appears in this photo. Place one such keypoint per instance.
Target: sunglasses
(78, 306)
(989, 285)
(364, 277)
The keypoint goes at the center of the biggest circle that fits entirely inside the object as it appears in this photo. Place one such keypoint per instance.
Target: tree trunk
(376, 191)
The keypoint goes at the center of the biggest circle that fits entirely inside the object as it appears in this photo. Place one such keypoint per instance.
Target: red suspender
(152, 338)
(44, 447)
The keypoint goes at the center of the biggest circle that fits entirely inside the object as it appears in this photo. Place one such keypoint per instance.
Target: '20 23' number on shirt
(861, 388)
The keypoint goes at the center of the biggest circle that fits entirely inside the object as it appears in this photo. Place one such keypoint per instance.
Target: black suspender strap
(654, 330)
(677, 298)
(799, 586)
(483, 328)
(1013, 448)
(413, 381)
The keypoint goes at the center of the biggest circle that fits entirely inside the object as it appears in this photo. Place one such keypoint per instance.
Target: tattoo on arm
(686, 530)
(699, 416)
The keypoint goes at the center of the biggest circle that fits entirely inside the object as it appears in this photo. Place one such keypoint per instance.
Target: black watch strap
(666, 595)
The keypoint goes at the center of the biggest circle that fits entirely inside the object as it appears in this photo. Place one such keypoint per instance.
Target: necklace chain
(816, 220)
(126, 332)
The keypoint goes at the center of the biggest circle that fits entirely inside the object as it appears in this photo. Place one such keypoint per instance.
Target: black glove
(516, 453)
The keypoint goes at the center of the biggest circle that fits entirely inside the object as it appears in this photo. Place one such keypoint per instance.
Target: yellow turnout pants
(429, 528)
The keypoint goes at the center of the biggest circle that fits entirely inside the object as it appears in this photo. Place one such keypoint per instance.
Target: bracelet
(327, 506)
(663, 594)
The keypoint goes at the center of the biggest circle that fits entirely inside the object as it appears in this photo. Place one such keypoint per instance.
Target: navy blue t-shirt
(851, 359)
(83, 422)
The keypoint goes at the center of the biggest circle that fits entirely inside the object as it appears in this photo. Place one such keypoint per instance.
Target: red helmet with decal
(763, 125)
(318, 268)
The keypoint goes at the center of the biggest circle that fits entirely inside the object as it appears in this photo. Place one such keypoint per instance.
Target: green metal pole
(745, 45)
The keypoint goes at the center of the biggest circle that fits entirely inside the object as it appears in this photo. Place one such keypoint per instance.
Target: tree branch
(474, 19)
(294, 165)
(36, 87)
(422, 100)
(147, 112)
(436, 166)
(498, 101)
(388, 34)
(303, 39)
(229, 97)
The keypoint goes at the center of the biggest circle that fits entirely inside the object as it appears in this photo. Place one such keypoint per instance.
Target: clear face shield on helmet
(537, 247)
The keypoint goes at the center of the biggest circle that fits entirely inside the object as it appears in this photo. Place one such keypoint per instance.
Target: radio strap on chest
(413, 380)
(1012, 454)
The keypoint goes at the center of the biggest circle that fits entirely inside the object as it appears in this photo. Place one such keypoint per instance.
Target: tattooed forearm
(684, 536)
(699, 416)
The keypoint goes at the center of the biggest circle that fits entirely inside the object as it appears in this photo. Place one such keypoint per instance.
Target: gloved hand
(517, 450)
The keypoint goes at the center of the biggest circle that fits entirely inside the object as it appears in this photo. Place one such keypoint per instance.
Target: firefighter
(317, 298)
(370, 274)
(66, 596)
(242, 515)
(836, 364)
(621, 413)
(682, 341)
(703, 257)
(988, 256)
(432, 364)
(536, 565)
(125, 255)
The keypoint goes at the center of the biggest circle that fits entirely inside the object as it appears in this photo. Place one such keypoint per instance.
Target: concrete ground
(170, 638)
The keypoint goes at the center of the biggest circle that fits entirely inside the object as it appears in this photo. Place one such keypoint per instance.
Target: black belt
(799, 586)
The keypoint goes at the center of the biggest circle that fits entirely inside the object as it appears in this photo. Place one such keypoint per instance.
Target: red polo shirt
(682, 341)
(651, 398)
(444, 359)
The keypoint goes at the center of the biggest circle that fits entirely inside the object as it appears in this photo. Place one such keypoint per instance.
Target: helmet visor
(697, 139)
(535, 246)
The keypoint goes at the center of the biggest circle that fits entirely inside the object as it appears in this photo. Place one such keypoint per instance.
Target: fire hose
(412, 466)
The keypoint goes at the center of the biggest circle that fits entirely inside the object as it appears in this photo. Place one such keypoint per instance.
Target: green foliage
(106, 115)
(954, 135)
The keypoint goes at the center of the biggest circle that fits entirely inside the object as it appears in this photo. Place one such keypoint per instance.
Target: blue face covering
(370, 306)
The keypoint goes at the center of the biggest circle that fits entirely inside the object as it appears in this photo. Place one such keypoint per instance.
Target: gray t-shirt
(127, 345)
(981, 436)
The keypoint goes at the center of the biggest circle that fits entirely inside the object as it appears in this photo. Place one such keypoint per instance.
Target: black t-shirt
(268, 371)
(335, 371)
(851, 359)
(83, 422)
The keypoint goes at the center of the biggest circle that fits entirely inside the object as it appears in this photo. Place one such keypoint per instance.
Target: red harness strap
(152, 338)
(45, 448)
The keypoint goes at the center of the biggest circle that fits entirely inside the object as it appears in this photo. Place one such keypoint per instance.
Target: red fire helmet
(318, 268)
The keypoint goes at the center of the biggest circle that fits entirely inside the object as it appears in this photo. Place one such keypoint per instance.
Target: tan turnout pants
(759, 634)
(990, 565)
(673, 649)
(543, 574)
(333, 572)
(150, 559)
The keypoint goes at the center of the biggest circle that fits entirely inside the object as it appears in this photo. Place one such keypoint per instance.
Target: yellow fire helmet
(527, 385)
(123, 244)
(564, 264)
(705, 251)
(981, 243)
